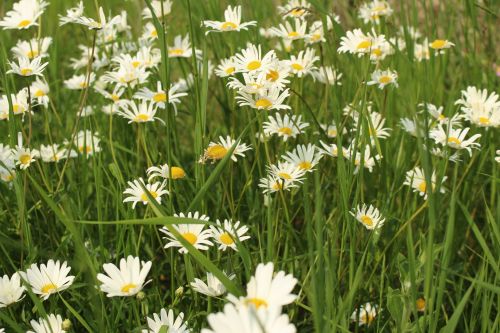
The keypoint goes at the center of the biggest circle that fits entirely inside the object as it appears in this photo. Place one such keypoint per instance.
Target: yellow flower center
(285, 131)
(25, 159)
(305, 165)
(160, 97)
(366, 318)
(364, 45)
(142, 117)
(315, 37)
(88, 149)
(297, 12)
(176, 52)
(24, 23)
(438, 44)
(284, 175)
(420, 304)
(226, 239)
(39, 93)
(263, 103)
(16, 108)
(26, 71)
(257, 302)
(190, 237)
(253, 65)
(385, 79)
(136, 63)
(297, 67)
(83, 85)
(177, 173)
(229, 26)
(128, 287)
(115, 97)
(422, 187)
(32, 54)
(48, 288)
(332, 133)
(377, 52)
(366, 220)
(230, 70)
(272, 75)
(216, 152)
(454, 141)
(154, 33)
(277, 186)
(144, 196)
(484, 120)
(293, 34)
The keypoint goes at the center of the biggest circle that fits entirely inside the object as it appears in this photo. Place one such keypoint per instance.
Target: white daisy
(286, 31)
(365, 314)
(271, 99)
(213, 287)
(52, 324)
(303, 63)
(27, 67)
(48, 279)
(136, 192)
(217, 150)
(232, 21)
(195, 234)
(159, 8)
(181, 48)
(251, 60)
(370, 216)
(138, 112)
(11, 290)
(286, 127)
(227, 233)
(54, 153)
(167, 320)
(226, 68)
(271, 184)
(295, 9)
(24, 14)
(163, 171)
(480, 108)
(383, 78)
(303, 157)
(415, 178)
(327, 75)
(78, 82)
(127, 280)
(32, 48)
(455, 138)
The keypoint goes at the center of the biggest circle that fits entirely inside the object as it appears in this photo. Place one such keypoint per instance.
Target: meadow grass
(444, 249)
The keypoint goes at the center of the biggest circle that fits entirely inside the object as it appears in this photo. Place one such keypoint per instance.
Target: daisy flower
(366, 159)
(455, 138)
(286, 127)
(127, 280)
(39, 90)
(33, 48)
(357, 42)
(195, 234)
(126, 74)
(327, 75)
(7, 163)
(440, 45)
(160, 9)
(295, 9)
(213, 287)
(181, 48)
(248, 320)
(166, 322)
(303, 63)
(114, 96)
(303, 157)
(251, 60)
(72, 14)
(479, 108)
(163, 171)
(136, 192)
(53, 153)
(411, 127)
(149, 32)
(287, 171)
(78, 82)
(51, 324)
(384, 78)
(437, 113)
(415, 178)
(365, 314)
(25, 156)
(217, 150)
(138, 112)
(421, 51)
(25, 67)
(277, 74)
(272, 184)
(270, 99)
(316, 32)
(375, 125)
(371, 12)
(226, 68)
(11, 290)
(24, 14)
(93, 24)
(232, 21)
(286, 31)
(87, 143)
(370, 216)
(267, 289)
(19, 103)
(48, 279)
(331, 130)
(227, 233)
(497, 158)
(332, 150)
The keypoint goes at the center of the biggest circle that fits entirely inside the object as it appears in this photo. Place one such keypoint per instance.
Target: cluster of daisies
(261, 307)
